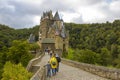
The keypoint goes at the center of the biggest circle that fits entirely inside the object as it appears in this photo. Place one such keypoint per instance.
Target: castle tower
(45, 23)
(57, 21)
(56, 17)
(53, 31)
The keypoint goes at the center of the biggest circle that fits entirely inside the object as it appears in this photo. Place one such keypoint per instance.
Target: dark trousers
(57, 69)
(49, 73)
(53, 71)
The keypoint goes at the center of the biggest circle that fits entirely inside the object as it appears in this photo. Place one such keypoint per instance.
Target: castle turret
(50, 15)
(56, 17)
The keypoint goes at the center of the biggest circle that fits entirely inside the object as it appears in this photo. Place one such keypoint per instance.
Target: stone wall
(33, 62)
(40, 74)
(109, 73)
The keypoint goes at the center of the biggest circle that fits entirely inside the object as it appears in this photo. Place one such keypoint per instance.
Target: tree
(19, 52)
(106, 57)
(88, 56)
(34, 47)
(117, 61)
(15, 72)
(114, 50)
(70, 53)
(1, 65)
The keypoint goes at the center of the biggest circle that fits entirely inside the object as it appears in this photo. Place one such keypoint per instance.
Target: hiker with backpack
(53, 62)
(58, 61)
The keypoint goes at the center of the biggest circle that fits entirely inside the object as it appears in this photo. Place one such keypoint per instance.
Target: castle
(52, 33)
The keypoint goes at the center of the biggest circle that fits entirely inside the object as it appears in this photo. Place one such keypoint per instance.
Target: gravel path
(71, 73)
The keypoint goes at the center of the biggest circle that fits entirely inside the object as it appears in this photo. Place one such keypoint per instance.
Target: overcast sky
(27, 13)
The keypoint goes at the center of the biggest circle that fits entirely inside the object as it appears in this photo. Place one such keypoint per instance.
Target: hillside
(101, 40)
(90, 43)
(15, 49)
(7, 34)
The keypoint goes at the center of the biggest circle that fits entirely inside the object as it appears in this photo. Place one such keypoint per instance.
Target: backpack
(53, 62)
(58, 59)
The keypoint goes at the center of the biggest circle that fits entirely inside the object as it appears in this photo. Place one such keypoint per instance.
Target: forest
(95, 43)
(15, 52)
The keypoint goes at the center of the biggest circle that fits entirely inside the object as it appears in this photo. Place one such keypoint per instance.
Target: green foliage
(117, 61)
(106, 57)
(1, 65)
(19, 52)
(34, 46)
(7, 34)
(3, 59)
(15, 72)
(88, 56)
(70, 53)
(101, 38)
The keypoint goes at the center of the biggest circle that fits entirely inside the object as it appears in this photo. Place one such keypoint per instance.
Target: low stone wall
(105, 72)
(40, 74)
(39, 71)
(33, 62)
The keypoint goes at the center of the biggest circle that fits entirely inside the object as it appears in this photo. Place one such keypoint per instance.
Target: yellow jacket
(55, 60)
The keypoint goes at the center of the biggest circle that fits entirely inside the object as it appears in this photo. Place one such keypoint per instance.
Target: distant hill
(100, 38)
(95, 35)
(7, 34)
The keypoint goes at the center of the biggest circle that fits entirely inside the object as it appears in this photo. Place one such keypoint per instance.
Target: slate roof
(48, 40)
(56, 17)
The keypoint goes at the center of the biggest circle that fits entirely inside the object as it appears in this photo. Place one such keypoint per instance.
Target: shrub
(15, 72)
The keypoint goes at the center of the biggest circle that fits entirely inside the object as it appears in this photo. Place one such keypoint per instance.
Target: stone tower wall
(58, 42)
(48, 28)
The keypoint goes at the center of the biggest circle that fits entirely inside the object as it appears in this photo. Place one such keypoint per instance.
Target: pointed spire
(56, 17)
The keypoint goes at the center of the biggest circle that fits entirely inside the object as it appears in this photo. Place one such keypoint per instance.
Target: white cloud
(115, 6)
(36, 20)
(26, 13)
(68, 16)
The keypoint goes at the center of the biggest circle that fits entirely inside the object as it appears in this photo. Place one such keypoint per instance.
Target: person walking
(48, 67)
(53, 62)
(51, 53)
(58, 61)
